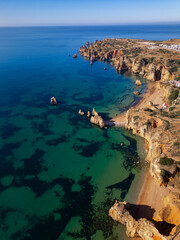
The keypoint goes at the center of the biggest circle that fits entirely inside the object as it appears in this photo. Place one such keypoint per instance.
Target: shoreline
(152, 94)
(149, 192)
(155, 118)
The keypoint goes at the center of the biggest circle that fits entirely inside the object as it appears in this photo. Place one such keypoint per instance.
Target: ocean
(59, 174)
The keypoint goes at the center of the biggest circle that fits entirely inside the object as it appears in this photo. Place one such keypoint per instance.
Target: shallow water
(59, 174)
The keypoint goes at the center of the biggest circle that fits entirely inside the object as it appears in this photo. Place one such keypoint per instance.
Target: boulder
(136, 93)
(75, 55)
(138, 82)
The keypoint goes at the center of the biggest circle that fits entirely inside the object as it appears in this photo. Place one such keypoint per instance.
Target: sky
(87, 12)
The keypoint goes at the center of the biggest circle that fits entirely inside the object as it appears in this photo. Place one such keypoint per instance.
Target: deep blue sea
(59, 174)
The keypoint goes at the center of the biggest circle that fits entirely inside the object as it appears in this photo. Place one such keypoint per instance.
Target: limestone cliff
(141, 228)
(124, 56)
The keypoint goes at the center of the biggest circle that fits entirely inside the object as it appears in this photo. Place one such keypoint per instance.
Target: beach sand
(150, 196)
(153, 94)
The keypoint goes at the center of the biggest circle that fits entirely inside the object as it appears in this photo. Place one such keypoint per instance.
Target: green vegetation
(167, 124)
(166, 161)
(164, 113)
(173, 69)
(151, 59)
(162, 173)
(163, 51)
(171, 108)
(153, 113)
(172, 115)
(176, 143)
(135, 118)
(174, 94)
(148, 123)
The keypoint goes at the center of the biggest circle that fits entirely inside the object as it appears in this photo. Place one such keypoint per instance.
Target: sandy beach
(152, 94)
(151, 195)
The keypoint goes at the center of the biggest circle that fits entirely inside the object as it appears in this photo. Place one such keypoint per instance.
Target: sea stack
(80, 112)
(53, 101)
(88, 114)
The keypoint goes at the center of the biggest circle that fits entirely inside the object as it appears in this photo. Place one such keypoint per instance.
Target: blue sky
(87, 12)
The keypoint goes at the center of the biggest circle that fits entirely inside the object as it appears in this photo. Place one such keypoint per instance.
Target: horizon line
(92, 25)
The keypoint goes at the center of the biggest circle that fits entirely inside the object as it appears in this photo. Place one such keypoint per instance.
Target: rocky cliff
(134, 228)
(128, 54)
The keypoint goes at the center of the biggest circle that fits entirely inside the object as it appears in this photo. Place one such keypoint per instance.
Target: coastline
(155, 118)
(152, 94)
(149, 192)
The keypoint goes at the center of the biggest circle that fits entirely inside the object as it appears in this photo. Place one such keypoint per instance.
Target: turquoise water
(59, 174)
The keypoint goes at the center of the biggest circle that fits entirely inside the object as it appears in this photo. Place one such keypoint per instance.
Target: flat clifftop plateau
(153, 60)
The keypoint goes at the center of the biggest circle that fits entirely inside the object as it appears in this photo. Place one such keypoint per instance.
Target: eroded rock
(53, 101)
(141, 228)
(80, 112)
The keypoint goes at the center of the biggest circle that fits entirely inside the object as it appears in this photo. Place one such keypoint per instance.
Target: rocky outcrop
(96, 119)
(136, 93)
(80, 112)
(138, 82)
(53, 101)
(170, 213)
(141, 228)
(88, 114)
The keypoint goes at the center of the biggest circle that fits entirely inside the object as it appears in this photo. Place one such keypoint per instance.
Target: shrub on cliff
(135, 118)
(174, 94)
(166, 161)
(176, 143)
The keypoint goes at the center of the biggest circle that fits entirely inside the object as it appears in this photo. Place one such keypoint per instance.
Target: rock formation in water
(53, 101)
(96, 119)
(138, 83)
(80, 112)
(136, 93)
(88, 114)
(75, 55)
(141, 228)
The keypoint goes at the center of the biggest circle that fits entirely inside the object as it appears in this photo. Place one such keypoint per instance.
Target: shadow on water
(123, 185)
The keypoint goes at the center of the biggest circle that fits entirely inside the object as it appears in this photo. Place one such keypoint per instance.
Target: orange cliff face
(171, 210)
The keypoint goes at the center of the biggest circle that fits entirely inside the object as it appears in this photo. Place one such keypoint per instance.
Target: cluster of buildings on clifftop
(172, 47)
